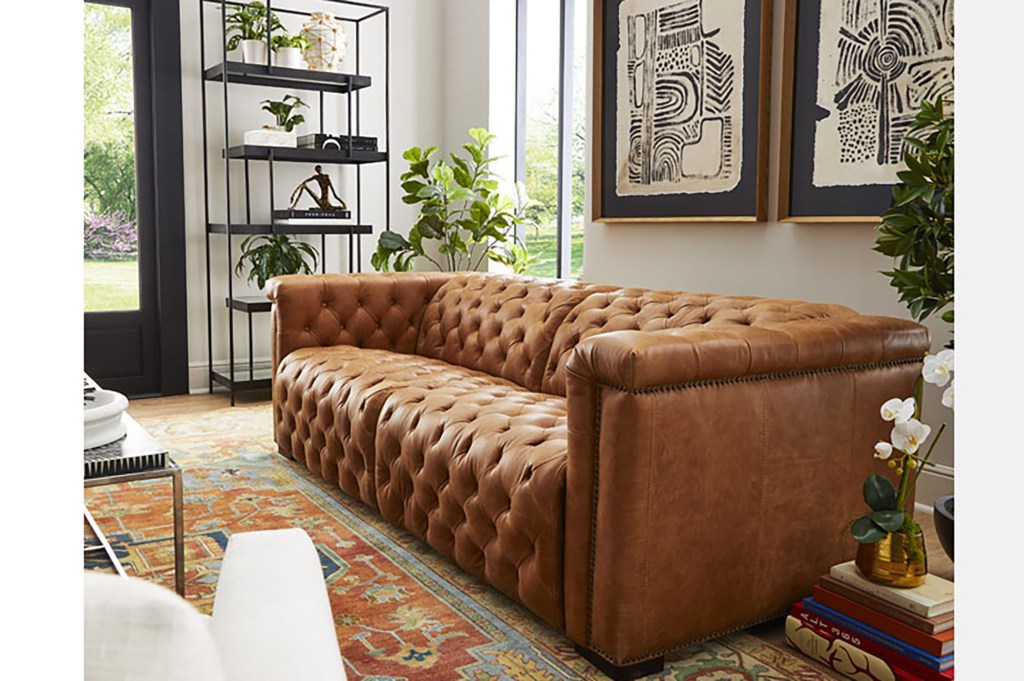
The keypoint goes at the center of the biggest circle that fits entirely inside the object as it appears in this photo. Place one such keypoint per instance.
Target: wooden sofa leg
(626, 673)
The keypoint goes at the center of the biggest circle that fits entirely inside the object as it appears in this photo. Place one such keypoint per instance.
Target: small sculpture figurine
(324, 200)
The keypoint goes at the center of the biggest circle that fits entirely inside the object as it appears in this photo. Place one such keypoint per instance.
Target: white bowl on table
(102, 414)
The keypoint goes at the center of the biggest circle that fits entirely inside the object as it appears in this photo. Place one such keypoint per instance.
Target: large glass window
(551, 88)
(111, 229)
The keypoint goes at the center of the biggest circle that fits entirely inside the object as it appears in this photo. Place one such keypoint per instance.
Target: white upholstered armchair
(271, 620)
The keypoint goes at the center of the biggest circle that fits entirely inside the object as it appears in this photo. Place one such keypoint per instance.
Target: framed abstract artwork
(681, 95)
(855, 73)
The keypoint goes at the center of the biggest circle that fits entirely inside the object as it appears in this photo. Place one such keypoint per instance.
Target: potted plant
(274, 255)
(917, 232)
(288, 50)
(282, 133)
(461, 210)
(247, 27)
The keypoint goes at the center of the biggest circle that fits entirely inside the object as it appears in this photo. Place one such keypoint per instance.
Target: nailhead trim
(674, 387)
(773, 376)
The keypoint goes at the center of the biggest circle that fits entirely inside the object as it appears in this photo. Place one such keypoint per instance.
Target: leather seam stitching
(593, 519)
(771, 376)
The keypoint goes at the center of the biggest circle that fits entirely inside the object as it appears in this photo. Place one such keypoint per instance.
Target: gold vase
(893, 561)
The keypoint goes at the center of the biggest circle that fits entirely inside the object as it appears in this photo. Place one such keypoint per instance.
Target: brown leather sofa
(641, 469)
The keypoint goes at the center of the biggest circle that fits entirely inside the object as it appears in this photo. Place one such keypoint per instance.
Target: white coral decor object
(328, 43)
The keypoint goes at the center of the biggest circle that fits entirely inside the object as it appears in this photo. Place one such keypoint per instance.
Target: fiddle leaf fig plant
(461, 210)
(917, 231)
(282, 111)
(249, 22)
(274, 255)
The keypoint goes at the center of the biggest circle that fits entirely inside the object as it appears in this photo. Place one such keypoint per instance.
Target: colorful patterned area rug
(401, 611)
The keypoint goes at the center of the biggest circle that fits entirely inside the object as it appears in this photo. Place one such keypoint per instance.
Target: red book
(938, 645)
(850, 654)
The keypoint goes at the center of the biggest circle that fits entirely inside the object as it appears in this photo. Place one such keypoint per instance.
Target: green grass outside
(111, 285)
(544, 247)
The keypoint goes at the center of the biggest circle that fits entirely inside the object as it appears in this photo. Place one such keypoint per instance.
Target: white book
(933, 598)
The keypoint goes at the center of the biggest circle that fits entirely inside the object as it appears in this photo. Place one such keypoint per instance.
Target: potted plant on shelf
(461, 210)
(274, 255)
(247, 28)
(288, 50)
(917, 232)
(282, 134)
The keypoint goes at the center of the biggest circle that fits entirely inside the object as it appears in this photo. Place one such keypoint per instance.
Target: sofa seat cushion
(477, 469)
(327, 402)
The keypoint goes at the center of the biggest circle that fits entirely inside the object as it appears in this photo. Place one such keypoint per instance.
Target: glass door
(121, 325)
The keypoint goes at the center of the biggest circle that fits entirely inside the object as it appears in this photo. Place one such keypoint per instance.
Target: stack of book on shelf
(871, 632)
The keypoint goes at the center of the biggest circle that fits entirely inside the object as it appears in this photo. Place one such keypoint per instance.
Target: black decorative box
(323, 141)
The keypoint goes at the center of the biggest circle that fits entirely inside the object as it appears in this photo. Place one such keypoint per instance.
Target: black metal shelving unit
(362, 17)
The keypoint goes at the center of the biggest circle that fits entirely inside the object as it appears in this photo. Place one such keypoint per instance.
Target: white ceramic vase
(328, 43)
(289, 58)
(254, 51)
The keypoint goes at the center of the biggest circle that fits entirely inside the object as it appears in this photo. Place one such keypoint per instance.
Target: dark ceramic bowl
(943, 518)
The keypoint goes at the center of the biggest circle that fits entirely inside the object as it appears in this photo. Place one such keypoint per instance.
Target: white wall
(823, 262)
(417, 101)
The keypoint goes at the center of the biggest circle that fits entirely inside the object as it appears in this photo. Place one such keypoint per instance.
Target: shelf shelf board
(245, 379)
(254, 152)
(246, 229)
(278, 76)
(249, 304)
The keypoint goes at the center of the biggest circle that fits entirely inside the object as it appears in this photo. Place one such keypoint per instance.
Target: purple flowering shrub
(111, 237)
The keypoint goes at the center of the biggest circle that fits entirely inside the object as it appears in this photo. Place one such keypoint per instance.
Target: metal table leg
(179, 535)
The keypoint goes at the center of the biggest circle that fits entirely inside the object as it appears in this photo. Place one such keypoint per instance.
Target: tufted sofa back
(645, 310)
(503, 325)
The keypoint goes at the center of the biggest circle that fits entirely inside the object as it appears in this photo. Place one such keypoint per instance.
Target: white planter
(328, 43)
(254, 51)
(268, 137)
(289, 58)
(102, 418)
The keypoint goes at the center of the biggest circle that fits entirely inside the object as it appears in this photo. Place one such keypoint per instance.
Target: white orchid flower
(898, 410)
(938, 369)
(910, 435)
(947, 396)
(883, 450)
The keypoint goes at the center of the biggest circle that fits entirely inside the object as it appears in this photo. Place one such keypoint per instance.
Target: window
(111, 227)
(550, 131)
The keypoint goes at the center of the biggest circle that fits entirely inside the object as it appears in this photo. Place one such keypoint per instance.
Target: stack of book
(869, 631)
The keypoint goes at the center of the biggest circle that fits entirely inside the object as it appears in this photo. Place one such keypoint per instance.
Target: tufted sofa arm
(711, 470)
(379, 311)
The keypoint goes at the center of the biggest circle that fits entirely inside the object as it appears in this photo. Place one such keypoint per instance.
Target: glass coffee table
(136, 456)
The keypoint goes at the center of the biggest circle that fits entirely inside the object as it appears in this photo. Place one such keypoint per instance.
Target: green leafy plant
(274, 255)
(917, 231)
(249, 22)
(282, 111)
(285, 40)
(461, 210)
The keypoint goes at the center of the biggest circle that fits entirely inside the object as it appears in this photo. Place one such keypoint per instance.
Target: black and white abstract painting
(680, 81)
(877, 60)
